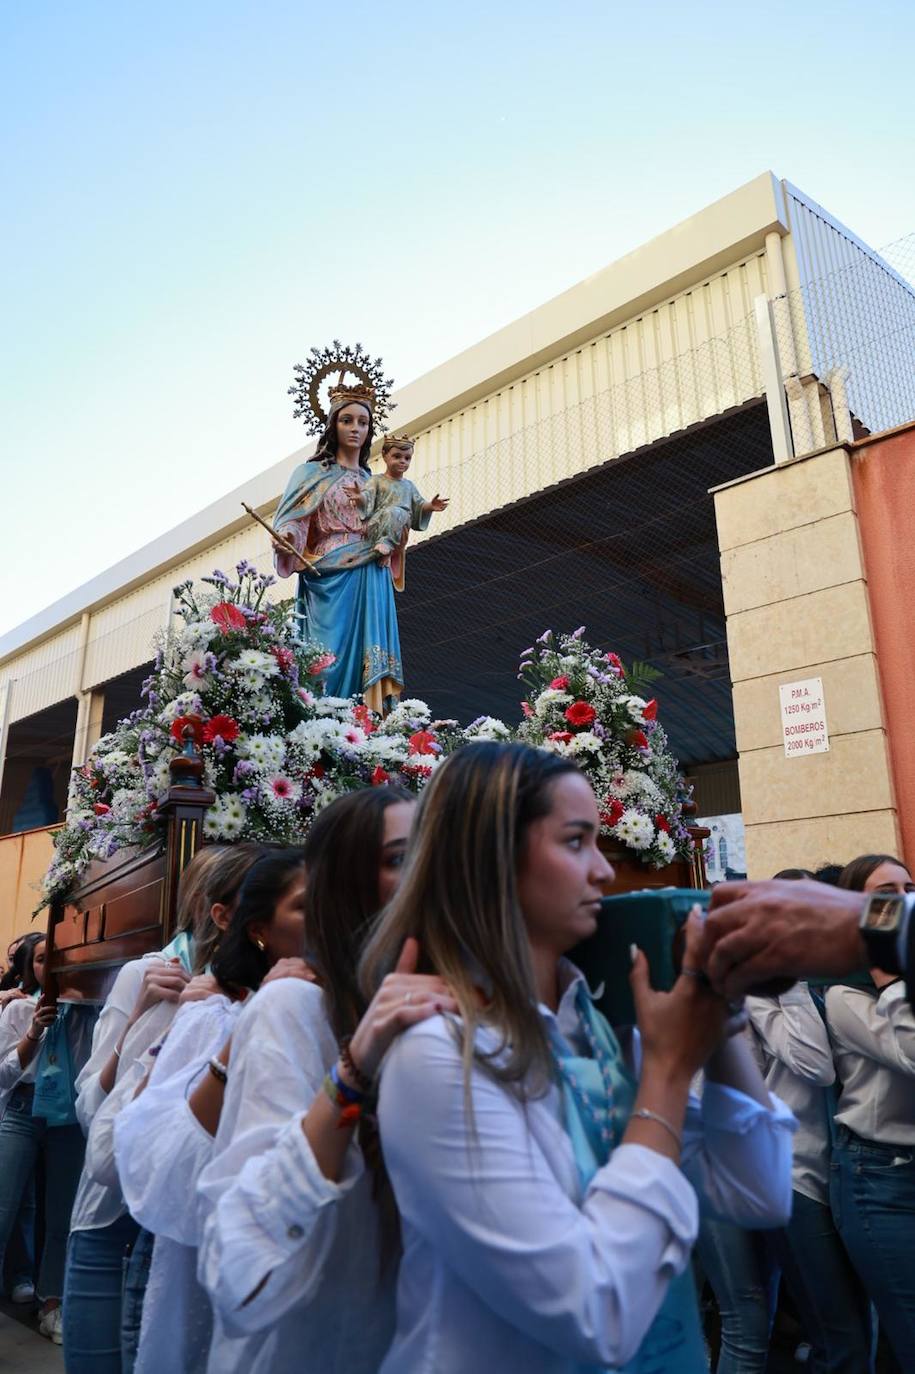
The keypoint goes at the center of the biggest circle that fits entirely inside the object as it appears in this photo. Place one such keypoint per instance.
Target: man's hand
(758, 931)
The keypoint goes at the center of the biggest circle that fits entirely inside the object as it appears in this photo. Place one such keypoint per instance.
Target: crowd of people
(362, 1115)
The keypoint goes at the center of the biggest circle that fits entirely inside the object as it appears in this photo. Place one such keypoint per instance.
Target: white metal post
(773, 385)
(5, 713)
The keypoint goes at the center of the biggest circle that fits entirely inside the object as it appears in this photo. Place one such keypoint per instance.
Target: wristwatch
(881, 922)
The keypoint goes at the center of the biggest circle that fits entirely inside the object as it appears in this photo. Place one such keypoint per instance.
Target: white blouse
(99, 1204)
(15, 1020)
(874, 1039)
(285, 1252)
(161, 1149)
(798, 1067)
(505, 1265)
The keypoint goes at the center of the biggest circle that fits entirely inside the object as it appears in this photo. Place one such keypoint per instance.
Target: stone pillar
(795, 596)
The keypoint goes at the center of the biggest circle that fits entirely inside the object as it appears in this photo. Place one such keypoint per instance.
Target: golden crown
(370, 386)
(397, 441)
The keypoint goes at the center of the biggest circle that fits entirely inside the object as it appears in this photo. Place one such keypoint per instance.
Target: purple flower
(249, 794)
(577, 634)
(542, 639)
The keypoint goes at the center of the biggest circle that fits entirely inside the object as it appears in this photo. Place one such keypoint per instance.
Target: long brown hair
(221, 883)
(856, 873)
(459, 898)
(326, 452)
(342, 854)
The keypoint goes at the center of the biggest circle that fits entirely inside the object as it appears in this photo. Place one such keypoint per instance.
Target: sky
(195, 193)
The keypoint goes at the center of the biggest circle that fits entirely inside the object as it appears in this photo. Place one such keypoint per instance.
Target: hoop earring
(260, 944)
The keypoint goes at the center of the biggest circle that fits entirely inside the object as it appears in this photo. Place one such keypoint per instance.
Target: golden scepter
(282, 542)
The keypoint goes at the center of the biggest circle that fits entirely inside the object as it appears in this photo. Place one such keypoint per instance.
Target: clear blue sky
(195, 193)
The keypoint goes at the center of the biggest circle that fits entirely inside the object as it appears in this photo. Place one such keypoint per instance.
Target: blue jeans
(136, 1277)
(745, 1283)
(872, 1193)
(92, 1297)
(831, 1301)
(22, 1138)
(20, 1248)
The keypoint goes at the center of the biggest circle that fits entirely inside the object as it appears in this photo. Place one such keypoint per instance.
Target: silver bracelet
(647, 1115)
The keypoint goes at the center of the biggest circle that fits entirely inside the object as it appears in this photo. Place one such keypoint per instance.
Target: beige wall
(795, 596)
(24, 860)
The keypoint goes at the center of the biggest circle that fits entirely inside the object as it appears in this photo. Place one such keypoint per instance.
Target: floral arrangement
(275, 748)
(231, 675)
(582, 704)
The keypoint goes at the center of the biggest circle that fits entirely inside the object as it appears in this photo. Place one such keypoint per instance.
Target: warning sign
(804, 717)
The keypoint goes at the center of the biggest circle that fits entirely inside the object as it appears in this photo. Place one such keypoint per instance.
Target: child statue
(391, 506)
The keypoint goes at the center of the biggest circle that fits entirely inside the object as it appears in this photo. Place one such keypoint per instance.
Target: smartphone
(653, 920)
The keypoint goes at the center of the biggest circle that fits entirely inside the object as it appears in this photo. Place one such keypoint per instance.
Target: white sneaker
(51, 1325)
(23, 1292)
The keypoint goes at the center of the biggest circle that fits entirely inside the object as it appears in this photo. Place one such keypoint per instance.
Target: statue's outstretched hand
(439, 503)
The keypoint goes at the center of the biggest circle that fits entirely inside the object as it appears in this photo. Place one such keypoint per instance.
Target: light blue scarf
(598, 1094)
(181, 947)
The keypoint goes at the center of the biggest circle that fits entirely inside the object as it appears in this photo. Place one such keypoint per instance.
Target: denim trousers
(19, 1265)
(22, 1138)
(831, 1301)
(92, 1297)
(744, 1280)
(136, 1277)
(872, 1193)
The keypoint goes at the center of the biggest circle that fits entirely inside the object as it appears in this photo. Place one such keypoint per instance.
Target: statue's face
(397, 460)
(353, 423)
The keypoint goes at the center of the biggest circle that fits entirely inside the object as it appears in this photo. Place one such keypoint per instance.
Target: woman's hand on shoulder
(202, 986)
(162, 982)
(681, 1028)
(291, 968)
(11, 995)
(404, 998)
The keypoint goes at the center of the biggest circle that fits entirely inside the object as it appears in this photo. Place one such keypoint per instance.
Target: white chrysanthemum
(116, 758)
(636, 784)
(550, 696)
(266, 752)
(380, 748)
(333, 706)
(126, 803)
(665, 846)
(635, 706)
(635, 829)
(585, 743)
(197, 635)
(488, 728)
(407, 715)
(555, 746)
(161, 775)
(253, 661)
(251, 681)
(225, 819)
(185, 704)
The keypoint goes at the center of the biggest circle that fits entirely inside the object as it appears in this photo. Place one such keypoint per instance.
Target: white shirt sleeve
(880, 1028)
(586, 1280)
(15, 1021)
(160, 1146)
(737, 1155)
(268, 1213)
(794, 1033)
(108, 1030)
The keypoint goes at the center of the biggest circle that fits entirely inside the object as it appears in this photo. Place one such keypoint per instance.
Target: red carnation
(563, 736)
(101, 809)
(424, 742)
(285, 658)
(650, 710)
(616, 663)
(317, 770)
(178, 725)
(580, 713)
(560, 684)
(227, 617)
(613, 812)
(637, 739)
(662, 823)
(363, 718)
(223, 726)
(379, 776)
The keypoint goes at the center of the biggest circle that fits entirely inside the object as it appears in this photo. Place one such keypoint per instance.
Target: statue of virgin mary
(345, 595)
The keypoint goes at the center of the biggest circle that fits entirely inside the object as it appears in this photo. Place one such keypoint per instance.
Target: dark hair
(220, 884)
(326, 451)
(342, 854)
(23, 965)
(855, 874)
(794, 874)
(829, 873)
(238, 964)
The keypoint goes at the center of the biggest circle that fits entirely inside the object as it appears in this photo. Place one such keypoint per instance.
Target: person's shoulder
(434, 1041)
(288, 1004)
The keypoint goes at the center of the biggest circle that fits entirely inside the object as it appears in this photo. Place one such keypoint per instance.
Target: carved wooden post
(185, 808)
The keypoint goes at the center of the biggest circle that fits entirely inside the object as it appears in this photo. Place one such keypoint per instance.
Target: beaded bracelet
(362, 1080)
(348, 1100)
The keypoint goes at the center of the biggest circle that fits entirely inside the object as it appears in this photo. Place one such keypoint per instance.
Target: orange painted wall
(884, 478)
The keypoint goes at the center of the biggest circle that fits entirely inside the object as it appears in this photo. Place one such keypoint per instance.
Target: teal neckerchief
(180, 947)
(598, 1094)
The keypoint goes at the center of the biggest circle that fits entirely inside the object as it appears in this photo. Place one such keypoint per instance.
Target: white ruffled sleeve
(160, 1146)
(268, 1213)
